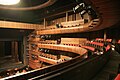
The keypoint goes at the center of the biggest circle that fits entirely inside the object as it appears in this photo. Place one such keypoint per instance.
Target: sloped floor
(110, 70)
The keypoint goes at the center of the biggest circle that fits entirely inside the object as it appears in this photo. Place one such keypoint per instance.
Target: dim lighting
(9, 2)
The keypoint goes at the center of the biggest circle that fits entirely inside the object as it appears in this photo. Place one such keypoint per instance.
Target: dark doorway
(10, 54)
(7, 48)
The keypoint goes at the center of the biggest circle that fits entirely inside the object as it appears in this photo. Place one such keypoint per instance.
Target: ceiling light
(9, 2)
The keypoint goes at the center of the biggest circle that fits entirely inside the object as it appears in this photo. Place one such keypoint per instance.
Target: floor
(110, 70)
(9, 63)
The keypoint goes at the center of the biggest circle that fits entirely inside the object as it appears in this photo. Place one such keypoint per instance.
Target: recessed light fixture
(9, 2)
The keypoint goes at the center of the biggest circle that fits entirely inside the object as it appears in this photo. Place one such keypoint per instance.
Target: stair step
(112, 72)
(112, 76)
(102, 76)
(116, 58)
(112, 63)
(111, 69)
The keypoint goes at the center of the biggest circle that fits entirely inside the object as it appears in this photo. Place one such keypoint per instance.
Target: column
(25, 58)
(66, 16)
(16, 52)
(12, 49)
(44, 23)
(105, 35)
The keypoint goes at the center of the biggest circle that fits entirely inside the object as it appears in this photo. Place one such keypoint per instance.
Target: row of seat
(94, 23)
(88, 47)
(68, 24)
(81, 28)
(48, 42)
(31, 37)
(14, 71)
(114, 43)
(34, 64)
(91, 45)
(51, 59)
(102, 40)
(77, 45)
(33, 47)
(74, 23)
(50, 56)
(118, 42)
(96, 40)
(66, 41)
(47, 60)
(47, 57)
(96, 45)
(34, 39)
(117, 77)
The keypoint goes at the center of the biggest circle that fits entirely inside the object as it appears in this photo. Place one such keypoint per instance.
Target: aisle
(111, 68)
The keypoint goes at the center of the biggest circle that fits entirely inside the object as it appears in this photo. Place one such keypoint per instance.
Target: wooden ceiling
(34, 15)
(109, 11)
(28, 16)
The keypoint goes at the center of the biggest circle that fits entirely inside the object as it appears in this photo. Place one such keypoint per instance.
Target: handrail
(96, 43)
(81, 28)
(89, 48)
(75, 65)
(77, 50)
(44, 70)
(74, 23)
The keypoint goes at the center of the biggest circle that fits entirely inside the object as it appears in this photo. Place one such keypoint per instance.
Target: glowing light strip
(46, 4)
(9, 2)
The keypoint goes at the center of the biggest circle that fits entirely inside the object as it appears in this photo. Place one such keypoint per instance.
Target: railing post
(105, 35)
(44, 23)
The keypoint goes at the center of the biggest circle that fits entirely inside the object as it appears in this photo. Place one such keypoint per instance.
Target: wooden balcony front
(77, 50)
(81, 28)
(17, 25)
(47, 60)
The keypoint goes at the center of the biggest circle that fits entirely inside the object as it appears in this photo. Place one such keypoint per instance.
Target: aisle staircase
(110, 70)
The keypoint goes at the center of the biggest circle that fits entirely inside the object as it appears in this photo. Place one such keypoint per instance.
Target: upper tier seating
(74, 23)
(48, 42)
(102, 40)
(75, 29)
(118, 41)
(68, 24)
(117, 46)
(73, 41)
(96, 45)
(89, 48)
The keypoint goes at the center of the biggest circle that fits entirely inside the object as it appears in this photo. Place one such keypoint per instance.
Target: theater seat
(118, 77)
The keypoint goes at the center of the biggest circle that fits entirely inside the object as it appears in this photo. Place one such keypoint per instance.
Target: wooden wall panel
(55, 21)
(70, 18)
(78, 17)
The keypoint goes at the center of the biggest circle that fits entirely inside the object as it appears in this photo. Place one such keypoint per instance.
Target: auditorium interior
(59, 39)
